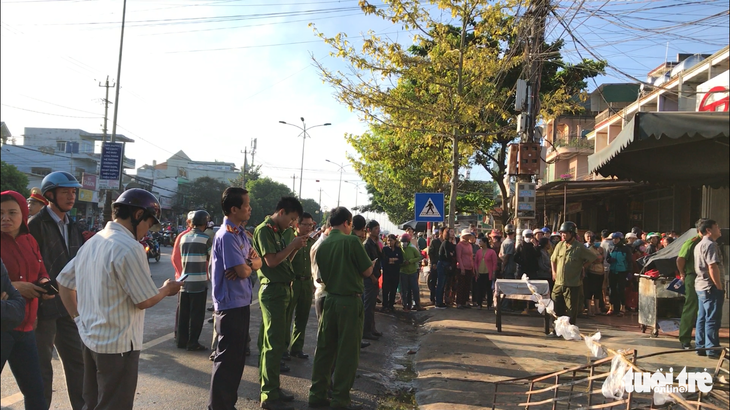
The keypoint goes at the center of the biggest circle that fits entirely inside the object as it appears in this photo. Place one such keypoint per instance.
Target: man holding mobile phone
(302, 288)
(106, 289)
(276, 276)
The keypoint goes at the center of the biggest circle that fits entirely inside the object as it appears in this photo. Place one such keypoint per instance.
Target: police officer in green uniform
(568, 260)
(302, 289)
(276, 275)
(343, 263)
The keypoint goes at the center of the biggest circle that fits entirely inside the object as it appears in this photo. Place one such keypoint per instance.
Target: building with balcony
(613, 192)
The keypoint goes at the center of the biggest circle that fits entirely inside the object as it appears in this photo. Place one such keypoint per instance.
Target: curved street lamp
(342, 169)
(304, 135)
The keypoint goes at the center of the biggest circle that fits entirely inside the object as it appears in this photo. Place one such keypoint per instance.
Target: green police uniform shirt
(268, 239)
(302, 263)
(341, 260)
(570, 262)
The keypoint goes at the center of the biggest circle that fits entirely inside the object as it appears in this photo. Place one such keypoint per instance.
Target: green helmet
(568, 226)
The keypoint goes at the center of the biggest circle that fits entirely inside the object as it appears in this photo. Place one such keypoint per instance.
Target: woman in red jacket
(22, 258)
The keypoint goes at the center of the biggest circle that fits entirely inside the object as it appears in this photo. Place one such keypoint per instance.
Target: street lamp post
(304, 135)
(342, 169)
(357, 188)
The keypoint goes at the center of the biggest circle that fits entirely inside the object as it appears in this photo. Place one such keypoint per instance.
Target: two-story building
(78, 152)
(165, 178)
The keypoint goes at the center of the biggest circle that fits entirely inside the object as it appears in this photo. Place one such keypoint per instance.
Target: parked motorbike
(152, 247)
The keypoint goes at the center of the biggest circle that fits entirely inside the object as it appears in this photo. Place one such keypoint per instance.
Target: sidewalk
(461, 353)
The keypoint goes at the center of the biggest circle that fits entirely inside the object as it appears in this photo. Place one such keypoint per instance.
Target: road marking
(17, 397)
(10, 400)
(155, 342)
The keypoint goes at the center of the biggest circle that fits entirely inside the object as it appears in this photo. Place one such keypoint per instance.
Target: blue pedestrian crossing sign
(429, 207)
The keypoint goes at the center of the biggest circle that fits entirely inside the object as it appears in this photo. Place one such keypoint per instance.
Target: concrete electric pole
(528, 157)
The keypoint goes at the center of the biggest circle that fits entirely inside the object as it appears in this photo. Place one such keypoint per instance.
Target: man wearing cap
(464, 269)
(568, 260)
(59, 239)
(106, 288)
(507, 253)
(36, 201)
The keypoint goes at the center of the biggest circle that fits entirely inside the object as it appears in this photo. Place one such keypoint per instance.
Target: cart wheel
(643, 328)
(655, 333)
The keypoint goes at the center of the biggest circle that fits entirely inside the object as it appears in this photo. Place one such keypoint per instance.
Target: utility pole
(537, 12)
(108, 200)
(106, 211)
(293, 182)
(106, 105)
(253, 150)
(320, 200)
(245, 165)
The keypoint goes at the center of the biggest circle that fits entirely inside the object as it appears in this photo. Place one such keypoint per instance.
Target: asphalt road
(171, 378)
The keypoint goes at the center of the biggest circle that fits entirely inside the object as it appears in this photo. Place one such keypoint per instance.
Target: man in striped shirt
(105, 290)
(195, 251)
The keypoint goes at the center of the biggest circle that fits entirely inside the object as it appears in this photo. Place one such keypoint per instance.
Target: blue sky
(233, 69)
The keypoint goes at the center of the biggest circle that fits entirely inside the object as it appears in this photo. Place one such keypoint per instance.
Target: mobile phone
(375, 261)
(183, 277)
(315, 233)
(49, 288)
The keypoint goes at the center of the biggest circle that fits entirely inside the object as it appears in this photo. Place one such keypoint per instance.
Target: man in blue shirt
(233, 261)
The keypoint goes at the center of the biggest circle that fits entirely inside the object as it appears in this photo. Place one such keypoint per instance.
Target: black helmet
(636, 230)
(201, 217)
(568, 226)
(58, 179)
(139, 198)
(508, 229)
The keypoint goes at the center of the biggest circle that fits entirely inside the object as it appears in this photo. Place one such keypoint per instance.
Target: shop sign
(713, 94)
(88, 181)
(86, 195)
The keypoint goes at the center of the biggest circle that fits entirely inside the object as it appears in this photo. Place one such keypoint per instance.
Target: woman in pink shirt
(485, 261)
(465, 269)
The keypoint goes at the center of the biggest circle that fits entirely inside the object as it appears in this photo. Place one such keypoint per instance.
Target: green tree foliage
(250, 174)
(264, 194)
(447, 98)
(13, 180)
(311, 206)
(203, 193)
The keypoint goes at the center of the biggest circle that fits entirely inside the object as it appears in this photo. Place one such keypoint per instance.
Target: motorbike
(166, 238)
(152, 247)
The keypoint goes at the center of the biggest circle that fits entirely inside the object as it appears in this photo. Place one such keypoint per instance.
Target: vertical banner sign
(110, 171)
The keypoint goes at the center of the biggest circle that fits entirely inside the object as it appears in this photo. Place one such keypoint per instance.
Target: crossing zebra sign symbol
(429, 207)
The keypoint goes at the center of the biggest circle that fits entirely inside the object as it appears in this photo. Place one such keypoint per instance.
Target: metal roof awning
(669, 147)
(580, 190)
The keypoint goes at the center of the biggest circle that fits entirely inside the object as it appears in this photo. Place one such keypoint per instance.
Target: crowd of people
(86, 296)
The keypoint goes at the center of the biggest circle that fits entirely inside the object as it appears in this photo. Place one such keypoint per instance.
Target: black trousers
(192, 316)
(110, 380)
(232, 328)
(64, 335)
(483, 290)
(390, 287)
(369, 298)
(432, 279)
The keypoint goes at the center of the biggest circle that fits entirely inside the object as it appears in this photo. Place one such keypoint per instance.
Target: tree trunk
(454, 180)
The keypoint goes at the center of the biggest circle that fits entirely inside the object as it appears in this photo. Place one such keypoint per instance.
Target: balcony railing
(572, 143)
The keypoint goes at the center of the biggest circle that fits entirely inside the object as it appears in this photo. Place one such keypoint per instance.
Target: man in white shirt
(105, 290)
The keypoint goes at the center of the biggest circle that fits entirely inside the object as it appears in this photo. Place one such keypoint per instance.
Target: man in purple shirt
(233, 259)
